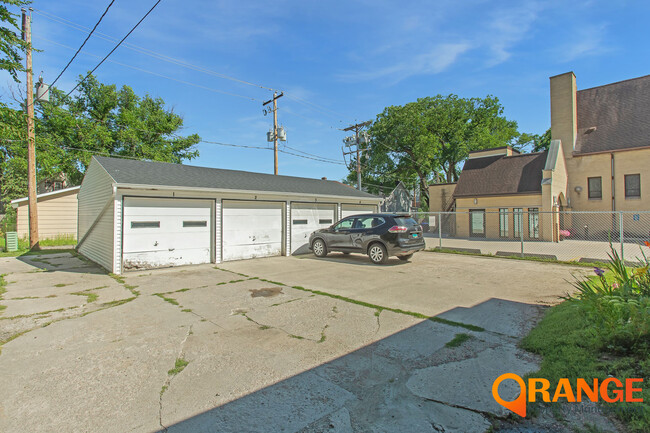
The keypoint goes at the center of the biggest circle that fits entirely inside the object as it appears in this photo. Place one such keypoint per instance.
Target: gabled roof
(614, 117)
(502, 175)
(150, 173)
(64, 191)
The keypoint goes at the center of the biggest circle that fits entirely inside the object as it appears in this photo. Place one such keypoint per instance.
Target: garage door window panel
(145, 224)
(195, 223)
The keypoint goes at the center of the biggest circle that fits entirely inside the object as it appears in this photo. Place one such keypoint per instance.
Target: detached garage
(143, 215)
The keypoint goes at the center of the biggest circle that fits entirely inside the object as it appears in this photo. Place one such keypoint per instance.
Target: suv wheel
(319, 248)
(377, 253)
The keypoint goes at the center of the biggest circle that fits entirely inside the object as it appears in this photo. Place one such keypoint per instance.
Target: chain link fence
(528, 232)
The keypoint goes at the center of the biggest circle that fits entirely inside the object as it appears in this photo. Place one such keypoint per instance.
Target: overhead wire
(83, 43)
(163, 57)
(319, 108)
(189, 83)
(150, 52)
(115, 47)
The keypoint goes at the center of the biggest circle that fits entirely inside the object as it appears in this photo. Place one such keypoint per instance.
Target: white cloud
(587, 41)
(506, 28)
(436, 60)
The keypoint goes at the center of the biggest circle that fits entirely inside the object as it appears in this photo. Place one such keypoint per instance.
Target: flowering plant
(565, 233)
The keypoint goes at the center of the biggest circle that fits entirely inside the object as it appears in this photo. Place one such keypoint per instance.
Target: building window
(325, 221)
(632, 185)
(518, 218)
(533, 222)
(297, 222)
(595, 186)
(503, 222)
(477, 223)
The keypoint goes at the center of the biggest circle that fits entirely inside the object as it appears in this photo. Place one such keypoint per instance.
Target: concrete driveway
(277, 344)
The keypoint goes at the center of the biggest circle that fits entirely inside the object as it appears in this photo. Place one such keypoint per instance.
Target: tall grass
(618, 304)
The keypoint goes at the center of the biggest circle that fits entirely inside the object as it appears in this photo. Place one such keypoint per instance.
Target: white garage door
(161, 232)
(305, 218)
(353, 209)
(251, 229)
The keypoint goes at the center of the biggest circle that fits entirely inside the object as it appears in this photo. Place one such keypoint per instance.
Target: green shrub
(618, 305)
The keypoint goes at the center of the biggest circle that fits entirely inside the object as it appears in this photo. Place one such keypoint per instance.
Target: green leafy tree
(13, 153)
(428, 139)
(542, 142)
(11, 43)
(99, 120)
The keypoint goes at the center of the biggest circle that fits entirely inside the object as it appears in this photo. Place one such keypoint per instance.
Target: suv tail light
(398, 229)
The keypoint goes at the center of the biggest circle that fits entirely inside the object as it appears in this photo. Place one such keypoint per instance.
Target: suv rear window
(406, 221)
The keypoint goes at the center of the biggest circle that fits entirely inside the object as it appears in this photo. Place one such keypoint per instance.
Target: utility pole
(275, 128)
(31, 139)
(356, 128)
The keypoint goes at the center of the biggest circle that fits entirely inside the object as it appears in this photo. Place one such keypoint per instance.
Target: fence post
(521, 231)
(440, 230)
(621, 234)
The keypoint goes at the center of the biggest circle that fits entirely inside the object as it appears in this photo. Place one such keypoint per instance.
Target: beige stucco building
(598, 161)
(57, 214)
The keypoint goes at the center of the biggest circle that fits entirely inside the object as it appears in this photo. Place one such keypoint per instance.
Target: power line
(149, 52)
(116, 47)
(309, 157)
(311, 154)
(319, 108)
(84, 42)
(189, 83)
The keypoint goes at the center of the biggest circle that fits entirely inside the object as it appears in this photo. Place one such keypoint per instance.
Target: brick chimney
(564, 115)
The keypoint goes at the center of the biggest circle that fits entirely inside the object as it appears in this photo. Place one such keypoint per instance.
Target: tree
(10, 43)
(429, 138)
(98, 120)
(542, 142)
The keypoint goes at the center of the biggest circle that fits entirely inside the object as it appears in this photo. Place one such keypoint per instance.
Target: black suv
(378, 235)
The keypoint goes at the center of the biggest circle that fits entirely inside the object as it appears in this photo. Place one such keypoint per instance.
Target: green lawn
(23, 244)
(570, 346)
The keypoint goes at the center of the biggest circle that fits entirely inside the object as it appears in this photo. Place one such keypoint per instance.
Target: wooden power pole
(356, 128)
(31, 138)
(275, 128)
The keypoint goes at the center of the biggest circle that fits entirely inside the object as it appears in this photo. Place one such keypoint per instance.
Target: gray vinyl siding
(96, 191)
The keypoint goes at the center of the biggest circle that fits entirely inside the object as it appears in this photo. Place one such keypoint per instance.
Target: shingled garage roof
(502, 175)
(614, 117)
(149, 173)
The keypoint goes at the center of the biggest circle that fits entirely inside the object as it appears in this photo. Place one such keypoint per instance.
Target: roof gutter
(235, 191)
(17, 201)
(610, 151)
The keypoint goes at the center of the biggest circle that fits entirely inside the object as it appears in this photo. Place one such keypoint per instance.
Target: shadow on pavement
(63, 261)
(408, 381)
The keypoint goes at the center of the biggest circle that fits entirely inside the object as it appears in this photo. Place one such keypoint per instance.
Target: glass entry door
(477, 223)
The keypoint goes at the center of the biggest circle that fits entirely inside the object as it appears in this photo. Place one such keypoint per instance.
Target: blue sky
(339, 62)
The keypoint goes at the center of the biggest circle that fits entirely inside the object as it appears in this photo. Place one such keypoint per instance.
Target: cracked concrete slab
(89, 372)
(289, 406)
(34, 306)
(260, 357)
(498, 315)
(169, 279)
(468, 383)
(431, 283)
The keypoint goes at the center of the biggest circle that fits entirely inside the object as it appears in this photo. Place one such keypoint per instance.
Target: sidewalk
(567, 250)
